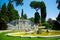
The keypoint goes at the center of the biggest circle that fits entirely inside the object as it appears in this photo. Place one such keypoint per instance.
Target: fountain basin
(44, 34)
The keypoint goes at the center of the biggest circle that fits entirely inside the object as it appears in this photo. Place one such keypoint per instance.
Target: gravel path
(4, 31)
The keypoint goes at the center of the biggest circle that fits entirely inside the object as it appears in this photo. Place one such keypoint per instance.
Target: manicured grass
(4, 37)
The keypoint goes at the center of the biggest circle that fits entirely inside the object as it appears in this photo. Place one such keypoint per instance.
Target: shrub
(56, 25)
(47, 25)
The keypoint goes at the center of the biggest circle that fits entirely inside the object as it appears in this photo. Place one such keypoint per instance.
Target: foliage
(12, 13)
(3, 25)
(3, 13)
(37, 6)
(37, 18)
(43, 14)
(22, 13)
(25, 16)
(58, 18)
(31, 19)
(56, 25)
(58, 1)
(18, 2)
(3, 9)
(7, 14)
(3, 17)
(47, 25)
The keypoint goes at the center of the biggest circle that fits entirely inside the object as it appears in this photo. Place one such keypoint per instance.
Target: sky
(51, 8)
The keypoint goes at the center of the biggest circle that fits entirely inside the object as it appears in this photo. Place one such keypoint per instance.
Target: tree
(39, 6)
(8, 13)
(3, 9)
(58, 1)
(43, 12)
(16, 14)
(58, 18)
(35, 5)
(25, 16)
(37, 18)
(56, 25)
(47, 25)
(4, 13)
(10, 6)
(31, 19)
(18, 2)
(22, 13)
(12, 13)
(3, 17)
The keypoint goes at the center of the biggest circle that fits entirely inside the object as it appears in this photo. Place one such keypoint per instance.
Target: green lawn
(4, 37)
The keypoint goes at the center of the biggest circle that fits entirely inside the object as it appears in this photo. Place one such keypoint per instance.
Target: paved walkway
(4, 31)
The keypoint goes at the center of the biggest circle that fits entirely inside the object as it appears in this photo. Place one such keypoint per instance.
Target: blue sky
(51, 8)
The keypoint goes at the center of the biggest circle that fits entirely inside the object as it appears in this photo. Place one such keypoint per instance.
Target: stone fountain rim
(9, 34)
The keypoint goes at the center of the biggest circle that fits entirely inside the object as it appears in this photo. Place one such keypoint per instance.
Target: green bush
(3, 26)
(56, 25)
(47, 25)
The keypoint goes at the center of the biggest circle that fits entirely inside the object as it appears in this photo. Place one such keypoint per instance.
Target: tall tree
(10, 6)
(4, 9)
(56, 24)
(37, 18)
(12, 13)
(22, 13)
(39, 6)
(25, 16)
(4, 13)
(43, 12)
(3, 17)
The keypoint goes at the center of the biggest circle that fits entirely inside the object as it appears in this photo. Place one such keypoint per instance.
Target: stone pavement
(4, 31)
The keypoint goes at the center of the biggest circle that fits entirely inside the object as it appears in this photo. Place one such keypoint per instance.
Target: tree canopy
(31, 19)
(12, 13)
(37, 18)
(39, 6)
(18, 2)
(23, 16)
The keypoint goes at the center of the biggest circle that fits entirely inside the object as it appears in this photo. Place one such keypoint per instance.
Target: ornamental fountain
(34, 33)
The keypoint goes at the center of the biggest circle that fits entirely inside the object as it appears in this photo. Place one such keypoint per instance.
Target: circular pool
(42, 34)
